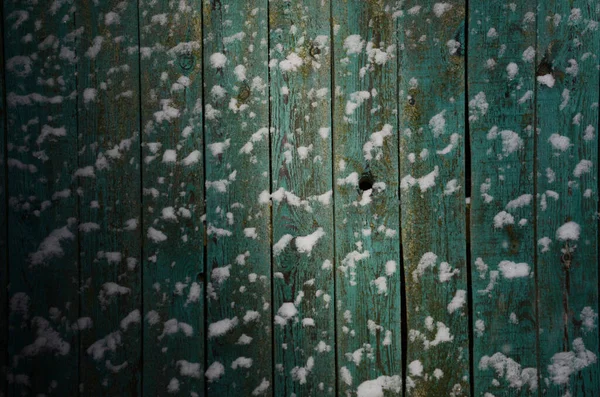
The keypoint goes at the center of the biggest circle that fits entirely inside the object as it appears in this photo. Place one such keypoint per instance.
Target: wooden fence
(299, 198)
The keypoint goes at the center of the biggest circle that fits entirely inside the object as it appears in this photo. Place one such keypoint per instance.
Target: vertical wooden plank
(302, 207)
(432, 113)
(239, 355)
(39, 45)
(3, 223)
(501, 69)
(109, 197)
(568, 42)
(173, 194)
(365, 139)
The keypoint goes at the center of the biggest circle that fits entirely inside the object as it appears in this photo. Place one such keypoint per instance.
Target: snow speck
(521, 201)
(280, 245)
(588, 318)
(381, 284)
(566, 364)
(512, 70)
(351, 179)
(390, 268)
(173, 386)
(241, 362)
(218, 60)
(415, 368)
(505, 367)
(478, 107)
(511, 269)
(262, 388)
(559, 142)
(169, 156)
(286, 312)
(353, 44)
(583, 167)
(459, 300)
(214, 371)
(305, 244)
(545, 242)
(240, 72)
(547, 80)
(479, 327)
(156, 235)
(440, 8)
(568, 232)
(438, 124)
(222, 327)
(377, 387)
(291, 63)
(503, 218)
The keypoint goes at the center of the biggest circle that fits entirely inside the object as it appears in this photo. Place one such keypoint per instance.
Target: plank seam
(141, 192)
(334, 242)
(403, 308)
(535, 206)
(204, 236)
(598, 203)
(468, 181)
(272, 263)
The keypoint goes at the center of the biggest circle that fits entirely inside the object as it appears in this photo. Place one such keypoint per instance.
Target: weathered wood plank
(568, 45)
(42, 158)
(432, 112)
(239, 345)
(501, 72)
(109, 197)
(173, 197)
(302, 209)
(3, 223)
(365, 140)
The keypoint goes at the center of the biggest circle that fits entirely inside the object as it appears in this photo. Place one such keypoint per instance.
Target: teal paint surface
(567, 188)
(302, 233)
(432, 122)
(173, 206)
(109, 200)
(183, 222)
(365, 144)
(501, 66)
(41, 157)
(237, 176)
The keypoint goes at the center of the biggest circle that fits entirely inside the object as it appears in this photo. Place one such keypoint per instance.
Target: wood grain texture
(173, 197)
(302, 208)
(501, 116)
(42, 157)
(567, 185)
(365, 140)
(432, 113)
(109, 196)
(237, 175)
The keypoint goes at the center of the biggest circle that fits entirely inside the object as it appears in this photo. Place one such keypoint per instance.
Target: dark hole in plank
(366, 181)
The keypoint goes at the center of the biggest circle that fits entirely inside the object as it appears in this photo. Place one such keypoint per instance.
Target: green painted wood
(173, 206)
(302, 207)
(432, 122)
(501, 74)
(3, 224)
(239, 314)
(109, 197)
(568, 42)
(39, 46)
(365, 142)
